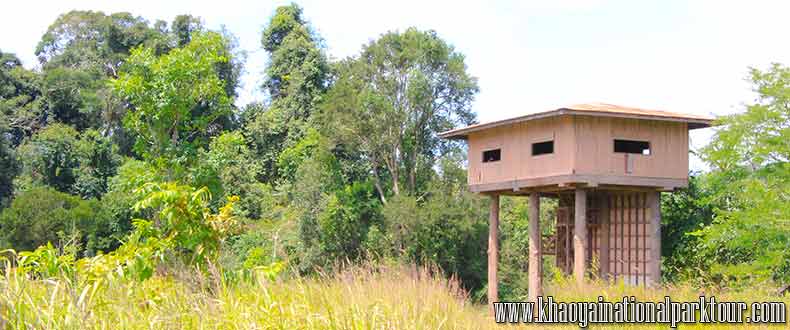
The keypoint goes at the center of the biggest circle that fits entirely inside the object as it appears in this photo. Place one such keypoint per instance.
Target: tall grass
(373, 297)
(362, 298)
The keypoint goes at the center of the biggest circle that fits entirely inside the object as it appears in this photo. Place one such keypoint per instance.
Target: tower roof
(588, 109)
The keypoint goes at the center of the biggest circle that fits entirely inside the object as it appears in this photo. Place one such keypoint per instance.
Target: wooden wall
(516, 141)
(582, 145)
(595, 148)
(629, 226)
(629, 237)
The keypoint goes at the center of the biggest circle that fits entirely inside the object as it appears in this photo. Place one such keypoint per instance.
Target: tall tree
(81, 50)
(750, 157)
(393, 99)
(8, 166)
(296, 79)
(170, 95)
(21, 111)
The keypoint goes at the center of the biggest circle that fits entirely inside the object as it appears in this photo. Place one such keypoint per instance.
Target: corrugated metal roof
(589, 109)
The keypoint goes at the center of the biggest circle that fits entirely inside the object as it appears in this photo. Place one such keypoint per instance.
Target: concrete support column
(535, 249)
(603, 255)
(654, 262)
(580, 236)
(493, 253)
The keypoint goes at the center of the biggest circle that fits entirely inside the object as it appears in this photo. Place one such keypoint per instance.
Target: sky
(529, 56)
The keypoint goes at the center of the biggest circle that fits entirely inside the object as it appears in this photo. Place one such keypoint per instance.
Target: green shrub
(41, 215)
(344, 223)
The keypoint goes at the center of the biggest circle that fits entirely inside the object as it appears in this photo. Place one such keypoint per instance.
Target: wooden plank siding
(515, 141)
(583, 150)
(595, 147)
(630, 252)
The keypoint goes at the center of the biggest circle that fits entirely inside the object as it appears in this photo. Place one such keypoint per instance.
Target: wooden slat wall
(629, 239)
(582, 145)
(595, 147)
(516, 141)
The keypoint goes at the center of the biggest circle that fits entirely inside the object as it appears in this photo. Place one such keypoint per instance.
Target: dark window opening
(632, 147)
(542, 148)
(492, 155)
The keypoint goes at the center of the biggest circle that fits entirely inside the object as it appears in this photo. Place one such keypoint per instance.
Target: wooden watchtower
(606, 164)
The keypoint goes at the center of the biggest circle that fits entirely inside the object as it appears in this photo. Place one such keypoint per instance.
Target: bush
(59, 157)
(447, 230)
(41, 215)
(344, 223)
(50, 157)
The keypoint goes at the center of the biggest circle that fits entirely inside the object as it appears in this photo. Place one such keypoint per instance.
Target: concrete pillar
(654, 262)
(603, 255)
(493, 253)
(580, 236)
(535, 249)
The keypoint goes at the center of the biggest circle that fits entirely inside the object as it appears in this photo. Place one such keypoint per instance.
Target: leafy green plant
(183, 216)
(168, 93)
(749, 154)
(41, 214)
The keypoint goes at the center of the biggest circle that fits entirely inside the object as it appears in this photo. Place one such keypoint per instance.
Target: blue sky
(529, 56)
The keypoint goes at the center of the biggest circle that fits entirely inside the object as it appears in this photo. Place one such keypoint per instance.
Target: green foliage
(166, 91)
(291, 158)
(683, 213)
(266, 134)
(81, 50)
(446, 230)
(229, 168)
(9, 168)
(47, 262)
(78, 53)
(41, 215)
(73, 96)
(98, 161)
(296, 80)
(317, 178)
(50, 157)
(76, 163)
(21, 110)
(297, 74)
(184, 26)
(343, 225)
(182, 216)
(92, 40)
(749, 236)
(392, 100)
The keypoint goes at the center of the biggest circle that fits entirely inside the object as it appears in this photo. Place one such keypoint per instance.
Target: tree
(683, 212)
(392, 100)
(750, 157)
(296, 79)
(81, 50)
(182, 216)
(50, 157)
(70, 162)
(298, 70)
(183, 27)
(98, 161)
(229, 168)
(78, 53)
(8, 170)
(343, 225)
(21, 110)
(443, 229)
(175, 97)
(42, 214)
